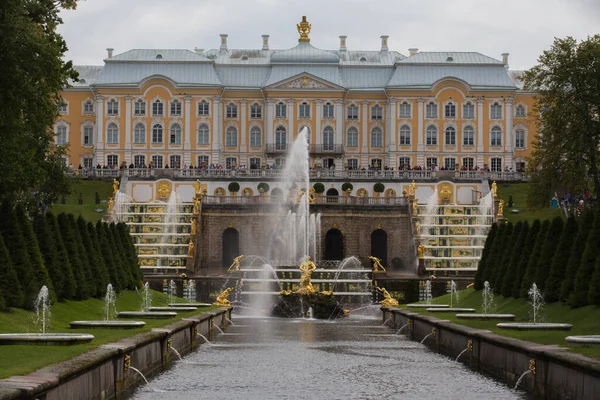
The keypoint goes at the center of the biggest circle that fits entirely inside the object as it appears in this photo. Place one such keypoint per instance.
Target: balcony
(326, 149)
(276, 148)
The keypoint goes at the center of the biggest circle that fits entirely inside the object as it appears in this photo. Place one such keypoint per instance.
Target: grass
(88, 188)
(24, 359)
(585, 320)
(519, 192)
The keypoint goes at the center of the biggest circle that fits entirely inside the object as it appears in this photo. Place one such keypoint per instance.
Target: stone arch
(230, 247)
(220, 192)
(334, 245)
(247, 192)
(390, 193)
(362, 192)
(332, 195)
(379, 245)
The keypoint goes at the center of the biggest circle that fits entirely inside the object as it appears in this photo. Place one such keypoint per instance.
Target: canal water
(352, 358)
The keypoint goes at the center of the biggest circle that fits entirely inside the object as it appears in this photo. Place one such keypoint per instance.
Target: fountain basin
(584, 340)
(177, 305)
(172, 309)
(450, 309)
(45, 339)
(428, 305)
(147, 315)
(107, 324)
(487, 317)
(529, 326)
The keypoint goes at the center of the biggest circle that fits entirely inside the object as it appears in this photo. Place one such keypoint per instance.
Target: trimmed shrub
(107, 255)
(586, 222)
(484, 261)
(119, 249)
(525, 256)
(49, 251)
(510, 203)
(500, 261)
(89, 287)
(118, 261)
(488, 274)
(378, 187)
(264, 186)
(69, 289)
(9, 280)
(560, 261)
(70, 241)
(103, 279)
(99, 280)
(2, 302)
(513, 262)
(97, 198)
(319, 187)
(346, 186)
(233, 187)
(547, 253)
(531, 270)
(80, 200)
(132, 257)
(594, 292)
(579, 296)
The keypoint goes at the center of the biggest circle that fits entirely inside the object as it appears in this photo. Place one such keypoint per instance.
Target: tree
(484, 261)
(594, 291)
(87, 286)
(585, 225)
(560, 261)
(75, 259)
(48, 249)
(132, 257)
(9, 280)
(69, 289)
(2, 302)
(104, 279)
(566, 152)
(102, 232)
(525, 256)
(99, 276)
(531, 270)
(504, 253)
(378, 187)
(512, 266)
(233, 187)
(488, 273)
(122, 261)
(28, 97)
(579, 295)
(547, 253)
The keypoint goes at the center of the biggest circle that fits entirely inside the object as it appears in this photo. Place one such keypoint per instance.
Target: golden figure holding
(198, 187)
(421, 251)
(412, 189)
(388, 300)
(494, 189)
(285, 292)
(500, 209)
(222, 298)
(196, 206)
(311, 196)
(235, 266)
(300, 193)
(307, 267)
(191, 249)
(418, 228)
(111, 204)
(115, 186)
(194, 228)
(415, 210)
(304, 29)
(377, 264)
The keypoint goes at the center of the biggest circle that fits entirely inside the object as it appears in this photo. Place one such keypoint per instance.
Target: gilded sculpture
(196, 206)
(111, 204)
(376, 264)
(304, 29)
(446, 192)
(500, 209)
(388, 300)
(198, 187)
(164, 189)
(194, 228)
(222, 298)
(415, 211)
(191, 249)
(299, 193)
(312, 196)
(421, 251)
(115, 186)
(412, 189)
(307, 267)
(418, 228)
(235, 266)
(494, 189)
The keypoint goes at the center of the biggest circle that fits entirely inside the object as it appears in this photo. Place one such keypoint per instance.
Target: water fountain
(453, 298)
(172, 293)
(428, 297)
(146, 306)
(42, 310)
(487, 296)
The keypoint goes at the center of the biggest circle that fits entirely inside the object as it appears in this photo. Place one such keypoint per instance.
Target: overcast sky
(523, 28)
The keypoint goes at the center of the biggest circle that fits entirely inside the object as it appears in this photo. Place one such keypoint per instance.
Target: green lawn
(88, 188)
(20, 360)
(519, 193)
(585, 320)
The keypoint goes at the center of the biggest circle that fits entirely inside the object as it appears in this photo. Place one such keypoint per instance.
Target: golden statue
(300, 193)
(421, 251)
(500, 209)
(446, 192)
(196, 206)
(191, 249)
(377, 264)
(327, 293)
(418, 228)
(414, 207)
(198, 187)
(307, 267)
(285, 292)
(388, 300)
(304, 29)
(115, 186)
(193, 230)
(235, 266)
(111, 203)
(412, 189)
(311, 196)
(222, 298)
(494, 189)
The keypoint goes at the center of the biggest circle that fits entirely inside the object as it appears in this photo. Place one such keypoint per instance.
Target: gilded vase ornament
(222, 298)
(412, 189)
(307, 267)
(191, 249)
(115, 186)
(494, 189)
(235, 265)
(388, 300)
(421, 251)
(500, 209)
(304, 29)
(377, 264)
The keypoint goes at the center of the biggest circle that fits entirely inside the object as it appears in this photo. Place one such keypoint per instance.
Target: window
(404, 163)
(377, 113)
(431, 162)
(139, 161)
(157, 108)
(175, 136)
(404, 110)
(202, 161)
(230, 162)
(231, 110)
(255, 138)
(139, 107)
(61, 134)
(328, 110)
(88, 135)
(280, 138)
(231, 137)
(157, 133)
(450, 136)
(468, 136)
(88, 107)
(520, 139)
(112, 160)
(62, 106)
(254, 162)
(112, 107)
(352, 111)
(203, 108)
(352, 137)
(496, 164)
(496, 111)
(496, 136)
(468, 110)
(175, 161)
(404, 135)
(112, 133)
(280, 162)
(450, 163)
(431, 136)
(157, 161)
(203, 134)
(139, 134)
(468, 163)
(520, 166)
(255, 111)
(520, 111)
(376, 137)
(328, 138)
(352, 163)
(176, 108)
(88, 162)
(280, 110)
(304, 110)
(431, 110)
(450, 110)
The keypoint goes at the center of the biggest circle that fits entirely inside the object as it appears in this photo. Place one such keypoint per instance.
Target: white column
(243, 148)
(291, 129)
(509, 141)
(269, 121)
(187, 130)
(318, 116)
(392, 132)
(99, 139)
(215, 145)
(128, 156)
(420, 134)
(480, 143)
(365, 130)
(339, 122)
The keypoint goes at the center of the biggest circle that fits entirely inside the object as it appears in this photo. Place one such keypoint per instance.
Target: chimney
(110, 51)
(343, 43)
(505, 60)
(223, 42)
(413, 51)
(384, 46)
(265, 42)
(198, 51)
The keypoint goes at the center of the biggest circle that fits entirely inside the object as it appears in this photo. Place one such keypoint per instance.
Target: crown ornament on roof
(304, 30)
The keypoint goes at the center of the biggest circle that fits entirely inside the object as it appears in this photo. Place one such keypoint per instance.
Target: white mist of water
(453, 294)
(171, 219)
(146, 298)
(110, 309)
(120, 205)
(431, 209)
(488, 298)
(172, 290)
(537, 302)
(428, 295)
(42, 309)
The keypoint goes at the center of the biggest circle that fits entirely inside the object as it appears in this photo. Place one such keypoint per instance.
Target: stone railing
(321, 200)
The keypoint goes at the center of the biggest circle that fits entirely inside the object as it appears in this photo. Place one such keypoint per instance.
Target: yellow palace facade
(235, 108)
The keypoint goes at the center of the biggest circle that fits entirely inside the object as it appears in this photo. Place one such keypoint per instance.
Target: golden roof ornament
(304, 30)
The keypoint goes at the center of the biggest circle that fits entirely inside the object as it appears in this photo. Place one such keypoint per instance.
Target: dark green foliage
(531, 270)
(594, 292)
(80, 200)
(88, 287)
(104, 279)
(69, 289)
(99, 276)
(70, 241)
(346, 186)
(560, 261)
(525, 256)
(483, 263)
(579, 296)
(510, 203)
(520, 235)
(9, 280)
(547, 254)
(586, 222)
(2, 302)
(504, 253)
(488, 273)
(264, 186)
(49, 251)
(378, 187)
(319, 187)
(233, 187)
(123, 262)
(110, 258)
(131, 254)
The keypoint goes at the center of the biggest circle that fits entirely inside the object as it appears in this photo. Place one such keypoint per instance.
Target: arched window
(280, 138)
(352, 137)
(139, 107)
(255, 111)
(112, 107)
(450, 110)
(139, 134)
(112, 133)
(255, 139)
(328, 110)
(520, 111)
(468, 136)
(231, 137)
(88, 107)
(61, 134)
(304, 110)
(157, 108)
(377, 112)
(231, 110)
(404, 135)
(496, 136)
(203, 109)
(175, 136)
(328, 138)
(431, 110)
(431, 136)
(404, 110)
(203, 134)
(175, 108)
(468, 110)
(450, 136)
(157, 133)
(376, 137)
(280, 110)
(496, 111)
(353, 111)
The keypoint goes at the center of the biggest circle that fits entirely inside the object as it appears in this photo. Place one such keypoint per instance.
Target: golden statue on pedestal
(412, 189)
(377, 264)
(312, 196)
(421, 251)
(307, 267)
(115, 186)
(500, 209)
(235, 266)
(388, 300)
(194, 228)
(196, 206)
(415, 210)
(191, 249)
(494, 189)
(222, 298)
(111, 204)
(304, 29)
(198, 187)
(418, 228)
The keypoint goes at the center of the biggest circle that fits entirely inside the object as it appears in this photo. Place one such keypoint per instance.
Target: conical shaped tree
(70, 241)
(594, 292)
(500, 243)
(108, 256)
(123, 263)
(49, 252)
(88, 234)
(485, 257)
(89, 286)
(529, 276)
(586, 222)
(69, 289)
(9, 280)
(579, 296)
(131, 253)
(519, 235)
(503, 262)
(547, 254)
(2, 302)
(525, 256)
(560, 261)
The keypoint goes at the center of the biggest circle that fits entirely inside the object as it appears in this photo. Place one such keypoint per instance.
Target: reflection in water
(314, 359)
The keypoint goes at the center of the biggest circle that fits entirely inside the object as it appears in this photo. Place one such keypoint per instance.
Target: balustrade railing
(320, 200)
